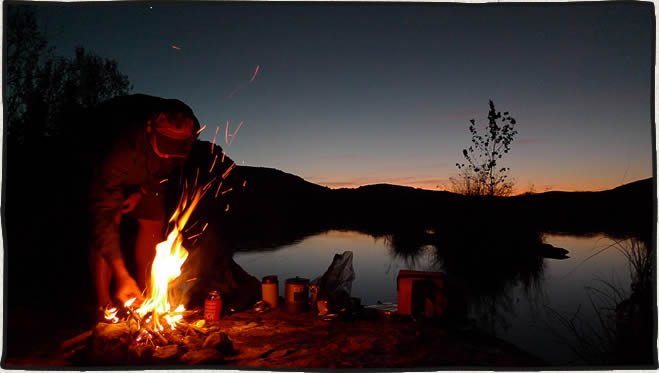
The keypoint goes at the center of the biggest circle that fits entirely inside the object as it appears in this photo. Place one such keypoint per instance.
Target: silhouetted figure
(141, 140)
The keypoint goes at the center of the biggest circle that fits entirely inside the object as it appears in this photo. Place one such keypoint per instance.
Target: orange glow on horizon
(445, 185)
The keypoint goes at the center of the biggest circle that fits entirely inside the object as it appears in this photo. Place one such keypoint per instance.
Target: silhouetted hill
(286, 200)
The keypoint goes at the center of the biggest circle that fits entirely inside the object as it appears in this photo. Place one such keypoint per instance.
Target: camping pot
(296, 298)
(270, 291)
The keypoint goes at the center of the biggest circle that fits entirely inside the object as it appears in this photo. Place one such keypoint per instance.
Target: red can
(213, 306)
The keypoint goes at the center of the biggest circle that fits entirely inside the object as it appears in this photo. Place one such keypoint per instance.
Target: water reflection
(482, 268)
(503, 285)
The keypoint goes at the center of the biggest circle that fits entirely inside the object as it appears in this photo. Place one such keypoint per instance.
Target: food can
(296, 297)
(213, 306)
(270, 291)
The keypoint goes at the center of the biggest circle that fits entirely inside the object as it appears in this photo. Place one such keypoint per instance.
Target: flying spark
(201, 129)
(195, 223)
(163, 180)
(228, 171)
(227, 209)
(213, 165)
(255, 72)
(196, 178)
(218, 189)
(234, 92)
(175, 47)
(214, 138)
(227, 191)
(233, 135)
(209, 184)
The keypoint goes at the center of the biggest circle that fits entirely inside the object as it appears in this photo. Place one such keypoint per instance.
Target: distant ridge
(293, 180)
(273, 201)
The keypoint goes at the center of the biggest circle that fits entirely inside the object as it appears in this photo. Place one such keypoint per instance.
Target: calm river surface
(524, 318)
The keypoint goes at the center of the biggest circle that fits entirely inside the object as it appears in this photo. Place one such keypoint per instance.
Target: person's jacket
(125, 163)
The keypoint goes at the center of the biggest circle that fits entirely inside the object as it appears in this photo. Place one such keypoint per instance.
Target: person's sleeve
(107, 196)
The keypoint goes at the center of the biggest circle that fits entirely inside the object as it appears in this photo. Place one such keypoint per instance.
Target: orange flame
(111, 314)
(170, 256)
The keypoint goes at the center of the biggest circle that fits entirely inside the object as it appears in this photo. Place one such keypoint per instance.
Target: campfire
(157, 316)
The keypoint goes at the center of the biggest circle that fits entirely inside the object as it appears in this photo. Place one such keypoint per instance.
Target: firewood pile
(128, 342)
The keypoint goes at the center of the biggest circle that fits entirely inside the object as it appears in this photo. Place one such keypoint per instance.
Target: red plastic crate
(421, 293)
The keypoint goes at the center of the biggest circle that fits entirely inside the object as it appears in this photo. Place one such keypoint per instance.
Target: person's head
(172, 130)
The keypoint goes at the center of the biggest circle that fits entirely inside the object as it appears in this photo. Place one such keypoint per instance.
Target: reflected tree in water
(482, 269)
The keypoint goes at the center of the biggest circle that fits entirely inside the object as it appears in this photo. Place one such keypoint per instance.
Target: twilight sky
(356, 94)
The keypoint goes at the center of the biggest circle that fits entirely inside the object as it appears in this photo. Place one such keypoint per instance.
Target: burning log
(145, 325)
(117, 343)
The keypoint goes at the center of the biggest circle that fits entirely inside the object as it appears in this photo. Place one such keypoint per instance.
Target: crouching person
(144, 139)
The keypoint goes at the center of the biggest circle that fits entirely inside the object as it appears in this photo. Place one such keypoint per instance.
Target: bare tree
(481, 174)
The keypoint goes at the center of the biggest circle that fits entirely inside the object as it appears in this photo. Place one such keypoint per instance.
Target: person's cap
(174, 134)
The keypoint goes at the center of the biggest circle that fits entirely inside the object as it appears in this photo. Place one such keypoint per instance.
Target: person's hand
(130, 202)
(127, 289)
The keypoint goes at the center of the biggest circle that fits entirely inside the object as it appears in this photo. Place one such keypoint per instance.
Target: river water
(531, 318)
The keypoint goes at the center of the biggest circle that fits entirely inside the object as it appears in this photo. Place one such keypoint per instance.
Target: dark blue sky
(347, 95)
